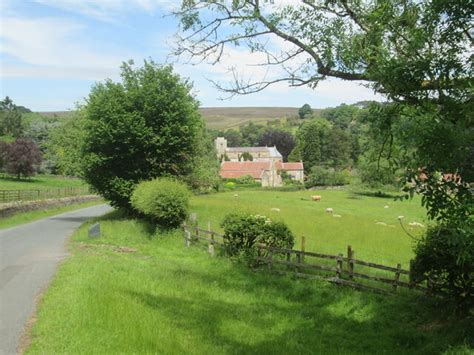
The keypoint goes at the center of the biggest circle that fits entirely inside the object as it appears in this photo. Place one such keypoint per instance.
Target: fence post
(288, 259)
(339, 266)
(210, 247)
(411, 284)
(270, 259)
(298, 260)
(303, 247)
(397, 277)
(350, 261)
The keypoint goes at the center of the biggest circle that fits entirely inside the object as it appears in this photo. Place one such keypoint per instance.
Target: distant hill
(232, 117)
(226, 117)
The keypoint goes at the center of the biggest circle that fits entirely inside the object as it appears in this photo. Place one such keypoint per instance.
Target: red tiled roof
(289, 166)
(236, 169)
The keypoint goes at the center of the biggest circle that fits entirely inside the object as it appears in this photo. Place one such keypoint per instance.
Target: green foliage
(215, 306)
(321, 176)
(448, 199)
(305, 111)
(21, 158)
(205, 174)
(243, 233)
(312, 139)
(341, 116)
(445, 256)
(246, 156)
(11, 123)
(164, 201)
(144, 127)
(295, 155)
(234, 138)
(246, 179)
(64, 145)
(282, 140)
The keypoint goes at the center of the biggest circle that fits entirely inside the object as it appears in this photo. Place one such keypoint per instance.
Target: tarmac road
(29, 255)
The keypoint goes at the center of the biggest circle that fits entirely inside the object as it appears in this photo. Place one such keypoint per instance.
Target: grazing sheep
(316, 198)
(329, 210)
(336, 215)
(236, 195)
(386, 206)
(416, 224)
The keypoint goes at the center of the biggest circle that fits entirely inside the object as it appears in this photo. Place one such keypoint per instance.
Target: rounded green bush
(164, 201)
(243, 233)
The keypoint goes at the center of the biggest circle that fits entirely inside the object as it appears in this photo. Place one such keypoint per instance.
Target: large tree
(281, 139)
(415, 53)
(144, 127)
(11, 123)
(21, 158)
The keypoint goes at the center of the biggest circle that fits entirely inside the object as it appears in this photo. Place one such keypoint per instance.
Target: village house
(265, 165)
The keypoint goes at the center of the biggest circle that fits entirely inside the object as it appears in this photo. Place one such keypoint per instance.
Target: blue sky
(52, 52)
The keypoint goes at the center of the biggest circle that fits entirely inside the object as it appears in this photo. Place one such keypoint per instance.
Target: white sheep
(416, 224)
(275, 209)
(329, 210)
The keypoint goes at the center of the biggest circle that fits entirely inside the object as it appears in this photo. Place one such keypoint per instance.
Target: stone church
(265, 164)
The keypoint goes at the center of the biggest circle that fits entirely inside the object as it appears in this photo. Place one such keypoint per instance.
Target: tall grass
(135, 290)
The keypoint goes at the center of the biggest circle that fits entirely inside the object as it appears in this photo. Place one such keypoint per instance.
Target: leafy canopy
(144, 127)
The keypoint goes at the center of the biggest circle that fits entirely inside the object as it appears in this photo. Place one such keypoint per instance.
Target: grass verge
(134, 290)
(30, 216)
(40, 182)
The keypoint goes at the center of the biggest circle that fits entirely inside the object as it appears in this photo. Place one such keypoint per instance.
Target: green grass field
(218, 117)
(139, 291)
(387, 244)
(40, 182)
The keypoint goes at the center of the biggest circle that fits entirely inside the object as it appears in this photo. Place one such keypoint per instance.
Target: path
(29, 255)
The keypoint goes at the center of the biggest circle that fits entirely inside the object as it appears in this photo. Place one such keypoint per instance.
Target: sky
(53, 51)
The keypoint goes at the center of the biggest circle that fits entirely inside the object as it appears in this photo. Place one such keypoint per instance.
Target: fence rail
(41, 194)
(338, 269)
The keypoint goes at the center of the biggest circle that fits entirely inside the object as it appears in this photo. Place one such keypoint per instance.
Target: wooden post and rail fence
(338, 269)
(41, 194)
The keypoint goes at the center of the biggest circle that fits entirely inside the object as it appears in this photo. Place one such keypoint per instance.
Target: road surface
(29, 255)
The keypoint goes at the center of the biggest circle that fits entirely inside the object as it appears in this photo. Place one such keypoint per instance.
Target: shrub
(446, 257)
(164, 201)
(321, 176)
(243, 232)
(246, 180)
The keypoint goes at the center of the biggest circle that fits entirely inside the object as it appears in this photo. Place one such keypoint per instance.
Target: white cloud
(110, 10)
(53, 48)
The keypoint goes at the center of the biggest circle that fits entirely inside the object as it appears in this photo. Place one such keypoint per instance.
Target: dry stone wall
(11, 208)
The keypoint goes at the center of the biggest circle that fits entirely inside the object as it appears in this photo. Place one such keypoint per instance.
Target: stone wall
(11, 208)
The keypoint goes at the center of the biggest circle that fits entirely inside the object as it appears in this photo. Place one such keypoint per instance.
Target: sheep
(316, 197)
(236, 195)
(275, 209)
(336, 215)
(329, 210)
(416, 224)
(386, 206)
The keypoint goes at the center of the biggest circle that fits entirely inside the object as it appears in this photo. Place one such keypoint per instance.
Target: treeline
(335, 145)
